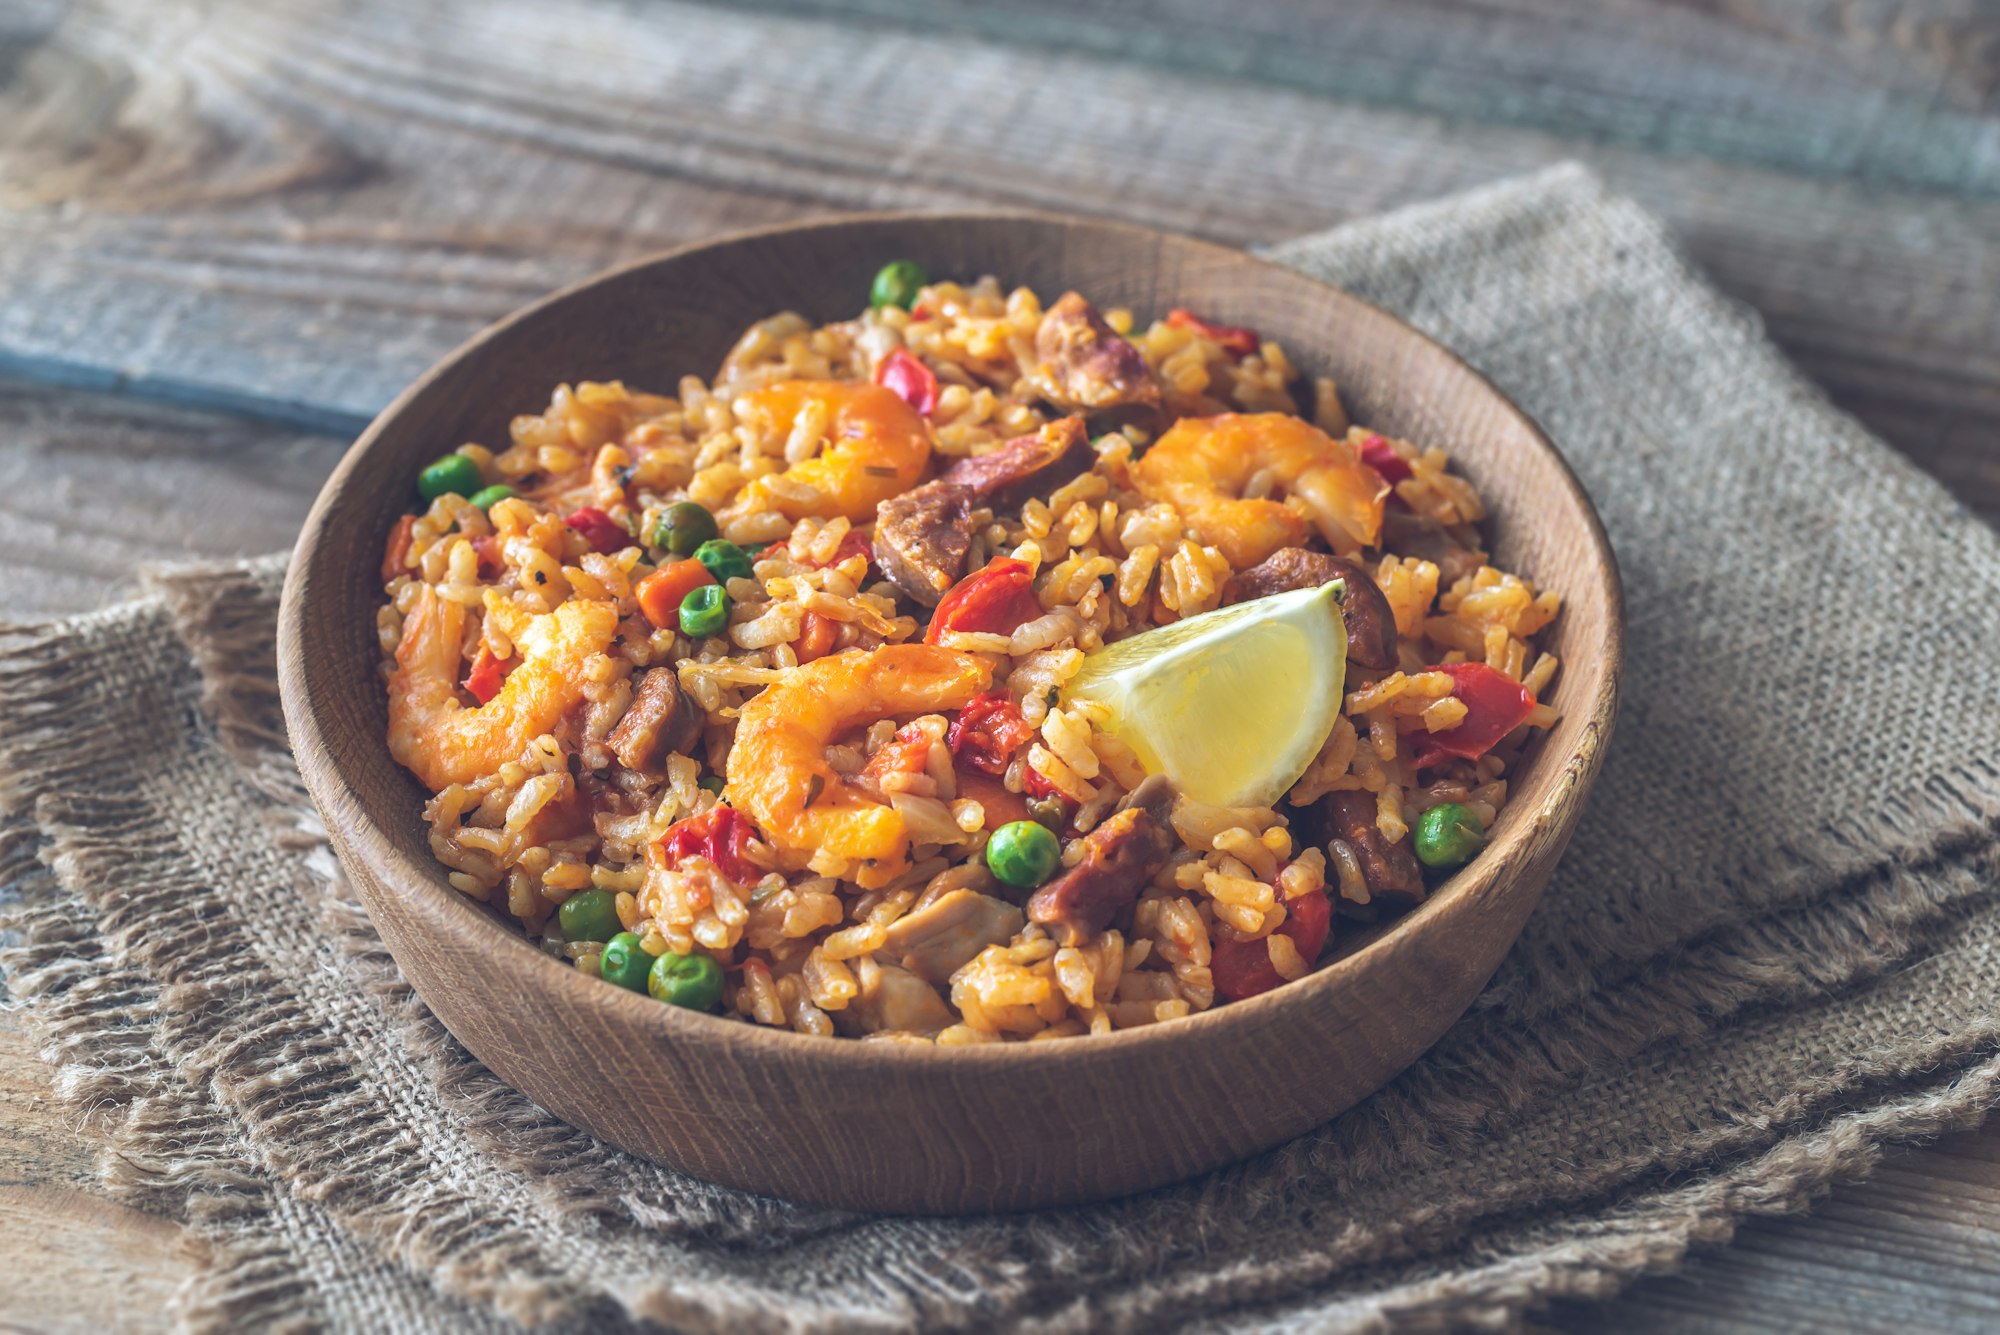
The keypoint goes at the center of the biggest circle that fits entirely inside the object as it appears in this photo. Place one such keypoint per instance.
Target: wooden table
(230, 231)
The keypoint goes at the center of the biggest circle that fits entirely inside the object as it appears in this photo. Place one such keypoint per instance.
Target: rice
(820, 942)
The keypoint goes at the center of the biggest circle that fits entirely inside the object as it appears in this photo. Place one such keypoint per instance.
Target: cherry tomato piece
(994, 600)
(1244, 969)
(1381, 456)
(600, 530)
(903, 372)
(720, 834)
(987, 732)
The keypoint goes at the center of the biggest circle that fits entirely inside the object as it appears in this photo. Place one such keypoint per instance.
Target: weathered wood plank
(299, 208)
(75, 1260)
(1893, 94)
(92, 486)
(1912, 1248)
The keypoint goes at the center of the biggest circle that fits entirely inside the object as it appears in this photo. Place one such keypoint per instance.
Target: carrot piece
(397, 551)
(660, 593)
(816, 636)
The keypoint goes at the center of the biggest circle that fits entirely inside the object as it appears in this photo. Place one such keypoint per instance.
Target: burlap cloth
(1770, 950)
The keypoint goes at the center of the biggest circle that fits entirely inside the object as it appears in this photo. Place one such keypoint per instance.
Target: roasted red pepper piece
(721, 835)
(1381, 456)
(994, 600)
(1243, 968)
(487, 674)
(1495, 705)
(988, 731)
(1232, 338)
(600, 530)
(903, 372)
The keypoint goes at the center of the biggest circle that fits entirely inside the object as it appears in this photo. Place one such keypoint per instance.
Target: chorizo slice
(660, 721)
(1394, 876)
(1371, 627)
(922, 537)
(1026, 466)
(1119, 858)
(1082, 363)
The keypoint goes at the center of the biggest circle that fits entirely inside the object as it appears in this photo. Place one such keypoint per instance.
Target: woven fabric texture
(1773, 947)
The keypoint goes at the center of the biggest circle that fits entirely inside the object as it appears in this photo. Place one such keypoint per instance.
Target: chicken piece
(1371, 626)
(1395, 880)
(660, 721)
(894, 1000)
(1407, 533)
(1119, 858)
(1025, 466)
(921, 539)
(936, 941)
(1082, 363)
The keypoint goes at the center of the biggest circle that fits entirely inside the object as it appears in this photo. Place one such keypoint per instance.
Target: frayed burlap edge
(168, 1147)
(205, 1180)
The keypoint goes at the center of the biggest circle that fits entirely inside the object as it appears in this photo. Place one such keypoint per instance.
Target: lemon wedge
(1232, 705)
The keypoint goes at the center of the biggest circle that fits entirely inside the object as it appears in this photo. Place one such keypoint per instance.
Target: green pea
(488, 497)
(1448, 835)
(704, 612)
(589, 915)
(712, 782)
(682, 527)
(625, 962)
(724, 560)
(1022, 853)
(897, 284)
(693, 981)
(453, 473)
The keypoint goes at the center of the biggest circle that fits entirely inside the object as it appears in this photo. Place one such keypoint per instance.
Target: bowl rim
(367, 839)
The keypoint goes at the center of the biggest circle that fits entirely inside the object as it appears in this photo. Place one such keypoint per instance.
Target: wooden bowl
(909, 1127)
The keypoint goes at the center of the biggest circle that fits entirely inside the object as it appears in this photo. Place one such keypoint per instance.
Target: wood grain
(62, 1240)
(651, 1078)
(192, 225)
(1896, 95)
(296, 208)
(95, 485)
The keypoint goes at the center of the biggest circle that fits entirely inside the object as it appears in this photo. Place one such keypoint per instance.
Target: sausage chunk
(1084, 364)
(1119, 858)
(1371, 628)
(1407, 533)
(1391, 870)
(1028, 466)
(660, 722)
(922, 536)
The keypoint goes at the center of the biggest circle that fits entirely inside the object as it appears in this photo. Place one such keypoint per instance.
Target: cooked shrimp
(1203, 465)
(778, 771)
(873, 446)
(443, 741)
